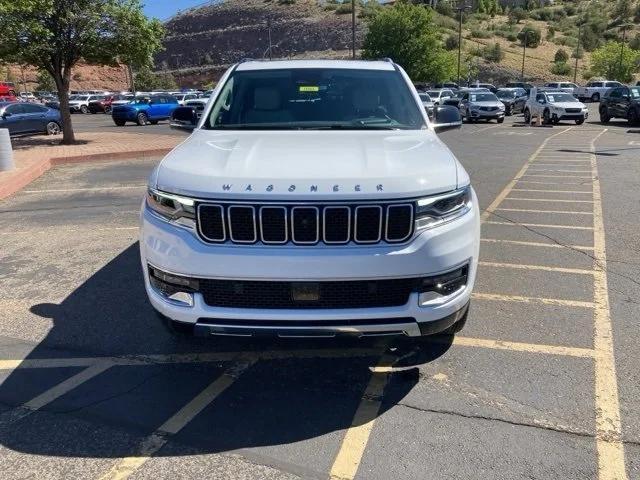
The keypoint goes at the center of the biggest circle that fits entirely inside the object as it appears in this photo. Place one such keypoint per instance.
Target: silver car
(427, 103)
(481, 105)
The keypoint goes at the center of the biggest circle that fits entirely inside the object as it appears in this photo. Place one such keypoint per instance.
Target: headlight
(434, 211)
(173, 208)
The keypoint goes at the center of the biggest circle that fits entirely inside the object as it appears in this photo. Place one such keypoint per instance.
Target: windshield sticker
(308, 88)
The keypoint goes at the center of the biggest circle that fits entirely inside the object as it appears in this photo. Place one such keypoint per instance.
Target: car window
(433, 93)
(31, 108)
(560, 97)
(447, 93)
(482, 97)
(315, 98)
(540, 98)
(597, 84)
(424, 97)
(612, 84)
(635, 92)
(615, 93)
(506, 94)
(15, 109)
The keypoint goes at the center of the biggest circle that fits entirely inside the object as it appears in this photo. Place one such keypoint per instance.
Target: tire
(632, 116)
(84, 109)
(107, 110)
(501, 120)
(53, 128)
(119, 123)
(580, 121)
(508, 112)
(142, 119)
(555, 119)
(595, 97)
(527, 117)
(604, 115)
(546, 117)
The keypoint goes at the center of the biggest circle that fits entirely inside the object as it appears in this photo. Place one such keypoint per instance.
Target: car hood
(309, 164)
(491, 103)
(568, 105)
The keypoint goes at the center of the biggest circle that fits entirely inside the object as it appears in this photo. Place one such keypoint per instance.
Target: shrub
(561, 56)
(343, 8)
(445, 8)
(477, 33)
(493, 53)
(517, 15)
(532, 34)
(551, 32)
(512, 37)
(561, 68)
(452, 42)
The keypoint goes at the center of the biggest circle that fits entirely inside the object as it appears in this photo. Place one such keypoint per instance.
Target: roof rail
(247, 60)
(387, 59)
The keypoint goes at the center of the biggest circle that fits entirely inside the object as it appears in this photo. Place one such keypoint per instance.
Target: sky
(163, 9)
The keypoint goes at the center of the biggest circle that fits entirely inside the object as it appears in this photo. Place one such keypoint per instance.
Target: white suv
(313, 198)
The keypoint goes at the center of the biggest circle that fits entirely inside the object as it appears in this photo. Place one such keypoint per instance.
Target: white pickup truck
(595, 90)
(313, 198)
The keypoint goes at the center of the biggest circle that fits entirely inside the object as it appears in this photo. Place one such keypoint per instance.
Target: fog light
(440, 288)
(182, 298)
(175, 288)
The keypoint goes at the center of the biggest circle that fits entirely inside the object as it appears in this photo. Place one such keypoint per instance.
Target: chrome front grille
(304, 224)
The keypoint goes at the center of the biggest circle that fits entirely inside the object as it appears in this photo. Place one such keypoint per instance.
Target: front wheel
(546, 117)
(632, 116)
(142, 119)
(527, 117)
(604, 115)
(501, 120)
(119, 123)
(107, 110)
(53, 128)
(595, 97)
(579, 121)
(84, 109)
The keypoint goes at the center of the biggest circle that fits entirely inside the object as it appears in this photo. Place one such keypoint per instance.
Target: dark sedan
(513, 99)
(621, 102)
(29, 119)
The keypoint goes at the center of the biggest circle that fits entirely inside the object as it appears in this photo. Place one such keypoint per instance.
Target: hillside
(83, 77)
(203, 41)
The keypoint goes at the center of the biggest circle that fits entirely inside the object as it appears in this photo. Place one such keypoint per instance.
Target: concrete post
(6, 153)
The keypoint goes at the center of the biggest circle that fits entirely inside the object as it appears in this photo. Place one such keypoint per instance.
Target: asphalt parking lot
(543, 383)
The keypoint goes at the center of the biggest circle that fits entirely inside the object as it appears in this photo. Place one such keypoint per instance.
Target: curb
(21, 179)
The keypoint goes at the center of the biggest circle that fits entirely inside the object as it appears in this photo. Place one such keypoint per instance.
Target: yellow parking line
(345, 465)
(584, 177)
(510, 186)
(520, 266)
(540, 225)
(535, 244)
(611, 464)
(560, 171)
(523, 347)
(560, 200)
(521, 299)
(550, 191)
(531, 210)
(537, 182)
(153, 443)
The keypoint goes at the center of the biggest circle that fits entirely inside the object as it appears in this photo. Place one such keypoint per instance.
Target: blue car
(29, 119)
(145, 110)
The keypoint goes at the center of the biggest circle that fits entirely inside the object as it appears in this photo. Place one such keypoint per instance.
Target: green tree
(53, 35)
(606, 62)
(45, 81)
(145, 80)
(532, 34)
(622, 10)
(406, 33)
(517, 15)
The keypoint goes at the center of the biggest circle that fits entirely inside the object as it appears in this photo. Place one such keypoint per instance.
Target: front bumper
(490, 115)
(178, 250)
(571, 116)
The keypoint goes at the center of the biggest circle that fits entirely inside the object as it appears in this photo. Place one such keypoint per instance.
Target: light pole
(575, 70)
(353, 28)
(460, 9)
(524, 52)
(269, 28)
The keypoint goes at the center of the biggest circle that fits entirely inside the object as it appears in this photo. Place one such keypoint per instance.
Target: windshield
(123, 97)
(424, 97)
(506, 94)
(315, 98)
(482, 97)
(561, 97)
(635, 92)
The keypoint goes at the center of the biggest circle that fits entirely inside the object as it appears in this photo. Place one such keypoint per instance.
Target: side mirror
(446, 117)
(184, 118)
(6, 114)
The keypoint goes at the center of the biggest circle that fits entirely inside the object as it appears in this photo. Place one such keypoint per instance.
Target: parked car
(568, 87)
(447, 85)
(594, 91)
(145, 110)
(278, 224)
(524, 85)
(621, 102)
(427, 103)
(24, 118)
(198, 104)
(185, 97)
(481, 105)
(80, 103)
(454, 100)
(492, 88)
(513, 99)
(439, 96)
(555, 105)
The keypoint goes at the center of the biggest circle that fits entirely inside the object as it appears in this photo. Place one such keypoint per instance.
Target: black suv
(621, 102)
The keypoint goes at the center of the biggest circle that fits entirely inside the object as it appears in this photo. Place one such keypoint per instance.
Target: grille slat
(332, 294)
(273, 224)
